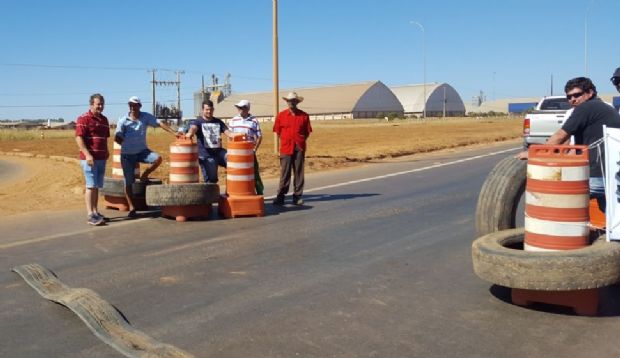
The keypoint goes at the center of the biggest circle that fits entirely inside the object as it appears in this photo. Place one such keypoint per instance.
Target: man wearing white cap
(131, 135)
(293, 127)
(247, 124)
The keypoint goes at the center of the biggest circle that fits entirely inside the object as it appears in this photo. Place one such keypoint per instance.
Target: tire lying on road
(494, 260)
(116, 186)
(500, 196)
(182, 194)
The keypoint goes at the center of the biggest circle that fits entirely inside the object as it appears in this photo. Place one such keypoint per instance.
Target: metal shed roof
(345, 98)
(412, 98)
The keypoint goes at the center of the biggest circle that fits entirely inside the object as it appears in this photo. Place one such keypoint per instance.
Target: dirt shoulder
(42, 184)
(56, 183)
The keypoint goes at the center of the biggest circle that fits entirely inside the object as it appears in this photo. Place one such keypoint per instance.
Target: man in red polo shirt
(293, 127)
(91, 134)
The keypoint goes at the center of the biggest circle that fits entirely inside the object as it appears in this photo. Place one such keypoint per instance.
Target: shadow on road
(271, 209)
(119, 216)
(609, 302)
(329, 197)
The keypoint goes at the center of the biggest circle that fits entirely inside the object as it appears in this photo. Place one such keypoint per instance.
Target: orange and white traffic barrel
(184, 162)
(240, 166)
(557, 198)
(240, 198)
(117, 168)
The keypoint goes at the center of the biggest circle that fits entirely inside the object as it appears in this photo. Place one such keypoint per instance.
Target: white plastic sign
(612, 181)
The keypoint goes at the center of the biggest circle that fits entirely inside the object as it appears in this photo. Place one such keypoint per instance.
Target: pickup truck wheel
(496, 260)
(500, 196)
(182, 194)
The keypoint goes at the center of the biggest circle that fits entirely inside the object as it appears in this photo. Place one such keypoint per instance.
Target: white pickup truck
(548, 116)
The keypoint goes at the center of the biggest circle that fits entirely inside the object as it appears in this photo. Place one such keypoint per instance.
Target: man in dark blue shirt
(208, 131)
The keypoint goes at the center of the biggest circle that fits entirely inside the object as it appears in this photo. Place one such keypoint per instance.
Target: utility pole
(494, 85)
(424, 60)
(153, 83)
(552, 84)
(202, 90)
(585, 37)
(444, 101)
(276, 89)
(179, 96)
(168, 83)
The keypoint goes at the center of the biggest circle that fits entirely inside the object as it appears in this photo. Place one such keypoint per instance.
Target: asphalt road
(371, 268)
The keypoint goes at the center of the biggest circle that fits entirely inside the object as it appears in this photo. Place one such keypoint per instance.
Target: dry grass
(332, 144)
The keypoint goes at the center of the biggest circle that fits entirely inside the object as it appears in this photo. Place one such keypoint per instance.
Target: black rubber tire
(182, 194)
(500, 196)
(494, 260)
(116, 187)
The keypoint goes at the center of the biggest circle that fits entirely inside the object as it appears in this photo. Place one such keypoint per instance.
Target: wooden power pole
(276, 89)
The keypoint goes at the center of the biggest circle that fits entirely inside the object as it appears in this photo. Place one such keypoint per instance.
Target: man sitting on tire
(586, 125)
(131, 135)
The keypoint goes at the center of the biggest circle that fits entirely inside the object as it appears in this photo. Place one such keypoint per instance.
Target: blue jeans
(597, 191)
(209, 165)
(94, 175)
(128, 162)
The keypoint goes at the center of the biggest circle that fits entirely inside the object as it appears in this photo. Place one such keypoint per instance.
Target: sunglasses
(574, 95)
(615, 81)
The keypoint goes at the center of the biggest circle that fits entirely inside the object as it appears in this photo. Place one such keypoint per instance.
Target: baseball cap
(617, 72)
(243, 103)
(134, 99)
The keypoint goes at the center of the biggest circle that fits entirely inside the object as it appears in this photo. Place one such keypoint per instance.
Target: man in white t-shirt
(248, 124)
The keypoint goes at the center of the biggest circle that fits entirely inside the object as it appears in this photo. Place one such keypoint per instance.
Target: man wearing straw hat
(292, 126)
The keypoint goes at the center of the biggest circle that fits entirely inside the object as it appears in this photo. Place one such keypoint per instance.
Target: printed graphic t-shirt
(209, 135)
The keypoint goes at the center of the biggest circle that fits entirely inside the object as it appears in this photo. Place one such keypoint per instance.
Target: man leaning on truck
(586, 125)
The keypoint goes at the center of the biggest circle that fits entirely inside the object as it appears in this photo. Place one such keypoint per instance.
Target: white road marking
(63, 235)
(405, 172)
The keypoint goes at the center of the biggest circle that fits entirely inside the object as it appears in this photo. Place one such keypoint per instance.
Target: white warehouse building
(441, 99)
(370, 99)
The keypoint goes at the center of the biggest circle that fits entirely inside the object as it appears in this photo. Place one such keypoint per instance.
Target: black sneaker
(279, 200)
(132, 214)
(297, 200)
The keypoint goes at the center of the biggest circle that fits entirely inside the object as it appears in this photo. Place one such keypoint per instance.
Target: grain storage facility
(441, 99)
(348, 101)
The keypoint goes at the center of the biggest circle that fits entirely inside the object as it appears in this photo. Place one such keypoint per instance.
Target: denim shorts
(128, 162)
(94, 175)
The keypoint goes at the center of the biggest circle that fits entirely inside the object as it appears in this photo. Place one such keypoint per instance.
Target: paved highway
(377, 267)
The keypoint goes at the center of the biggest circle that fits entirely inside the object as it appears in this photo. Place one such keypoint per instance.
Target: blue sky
(56, 53)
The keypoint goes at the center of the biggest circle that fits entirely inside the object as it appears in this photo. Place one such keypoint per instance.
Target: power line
(113, 68)
(78, 67)
(65, 94)
(60, 105)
